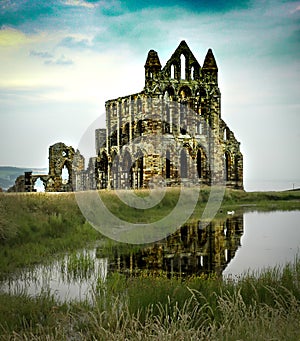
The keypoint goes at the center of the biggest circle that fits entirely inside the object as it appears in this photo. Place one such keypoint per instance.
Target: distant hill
(9, 174)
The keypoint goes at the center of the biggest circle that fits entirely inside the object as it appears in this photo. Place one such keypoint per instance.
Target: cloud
(18, 13)
(82, 3)
(77, 43)
(11, 37)
(40, 54)
(60, 61)
(203, 6)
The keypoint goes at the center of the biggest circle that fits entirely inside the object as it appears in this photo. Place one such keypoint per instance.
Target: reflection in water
(268, 239)
(192, 250)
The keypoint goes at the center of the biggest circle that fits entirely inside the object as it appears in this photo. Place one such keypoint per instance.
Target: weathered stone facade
(172, 130)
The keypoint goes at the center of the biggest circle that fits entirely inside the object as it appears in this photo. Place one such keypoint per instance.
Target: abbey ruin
(170, 132)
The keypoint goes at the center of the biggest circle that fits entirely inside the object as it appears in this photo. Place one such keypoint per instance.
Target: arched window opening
(226, 134)
(226, 255)
(202, 102)
(168, 165)
(126, 133)
(139, 105)
(172, 71)
(236, 168)
(140, 128)
(227, 166)
(113, 136)
(114, 110)
(139, 171)
(199, 168)
(125, 105)
(65, 175)
(167, 120)
(115, 170)
(182, 119)
(200, 128)
(183, 164)
(192, 73)
(39, 186)
(182, 67)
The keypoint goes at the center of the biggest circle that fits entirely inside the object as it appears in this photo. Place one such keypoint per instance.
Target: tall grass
(34, 227)
(266, 307)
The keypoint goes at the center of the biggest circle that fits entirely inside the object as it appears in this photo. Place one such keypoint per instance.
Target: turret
(210, 69)
(152, 67)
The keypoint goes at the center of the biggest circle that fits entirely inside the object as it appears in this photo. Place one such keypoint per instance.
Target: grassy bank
(35, 226)
(256, 308)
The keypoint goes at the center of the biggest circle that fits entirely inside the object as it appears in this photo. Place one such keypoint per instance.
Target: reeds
(264, 307)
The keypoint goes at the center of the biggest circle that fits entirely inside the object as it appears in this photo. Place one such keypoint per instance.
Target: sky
(60, 60)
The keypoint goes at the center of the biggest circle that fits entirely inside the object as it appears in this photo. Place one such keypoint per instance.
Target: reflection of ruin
(192, 250)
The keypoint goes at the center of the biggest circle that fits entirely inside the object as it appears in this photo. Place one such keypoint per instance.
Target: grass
(264, 307)
(35, 227)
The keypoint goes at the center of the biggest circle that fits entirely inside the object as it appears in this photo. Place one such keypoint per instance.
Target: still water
(227, 247)
(269, 239)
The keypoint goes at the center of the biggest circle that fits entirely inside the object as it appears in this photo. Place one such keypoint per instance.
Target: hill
(8, 174)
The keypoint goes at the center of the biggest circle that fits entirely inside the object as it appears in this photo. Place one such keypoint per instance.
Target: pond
(227, 247)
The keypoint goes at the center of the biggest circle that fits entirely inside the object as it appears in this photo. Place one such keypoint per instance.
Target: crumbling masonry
(60, 157)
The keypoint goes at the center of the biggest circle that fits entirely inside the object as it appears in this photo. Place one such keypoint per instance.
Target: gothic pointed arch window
(168, 164)
(115, 170)
(140, 128)
(65, 174)
(182, 67)
(126, 133)
(172, 71)
(199, 165)
(139, 170)
(227, 165)
(139, 105)
(192, 73)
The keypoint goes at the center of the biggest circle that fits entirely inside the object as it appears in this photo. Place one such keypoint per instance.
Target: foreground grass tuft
(254, 308)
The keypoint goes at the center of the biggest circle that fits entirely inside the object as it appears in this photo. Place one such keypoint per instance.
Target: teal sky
(60, 60)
